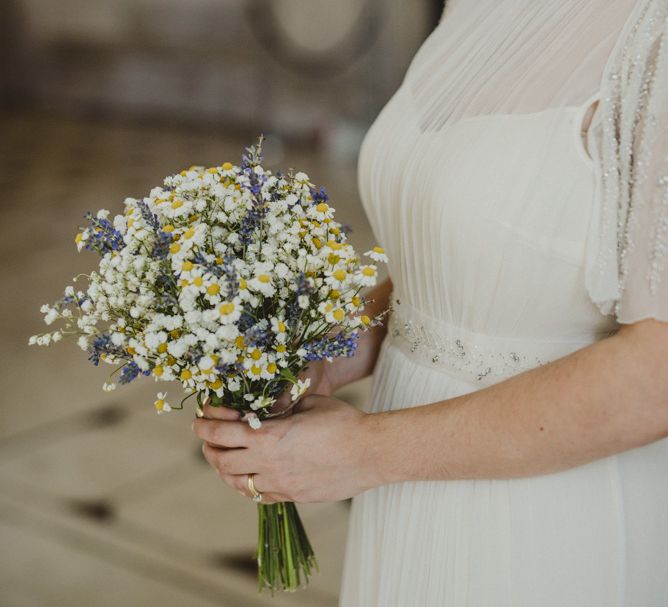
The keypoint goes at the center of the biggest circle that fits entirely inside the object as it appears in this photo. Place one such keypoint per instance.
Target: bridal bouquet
(230, 280)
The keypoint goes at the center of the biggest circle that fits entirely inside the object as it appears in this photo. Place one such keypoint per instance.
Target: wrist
(382, 450)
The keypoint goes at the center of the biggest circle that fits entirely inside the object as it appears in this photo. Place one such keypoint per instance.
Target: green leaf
(289, 375)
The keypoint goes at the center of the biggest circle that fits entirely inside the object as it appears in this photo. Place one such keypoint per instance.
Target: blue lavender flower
(129, 373)
(103, 237)
(258, 335)
(319, 196)
(231, 278)
(103, 345)
(227, 369)
(161, 245)
(251, 221)
(150, 218)
(245, 322)
(213, 268)
(330, 347)
(302, 287)
(194, 355)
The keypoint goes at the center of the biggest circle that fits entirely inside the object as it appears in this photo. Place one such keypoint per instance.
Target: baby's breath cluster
(229, 279)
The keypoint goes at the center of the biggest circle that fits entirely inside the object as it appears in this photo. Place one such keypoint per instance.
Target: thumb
(307, 402)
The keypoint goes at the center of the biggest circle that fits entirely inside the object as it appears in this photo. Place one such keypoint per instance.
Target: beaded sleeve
(627, 261)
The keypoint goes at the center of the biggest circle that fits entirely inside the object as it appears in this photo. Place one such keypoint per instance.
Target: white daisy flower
(377, 254)
(366, 276)
(262, 402)
(161, 405)
(299, 388)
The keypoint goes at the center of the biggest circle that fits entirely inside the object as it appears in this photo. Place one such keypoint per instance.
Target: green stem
(284, 553)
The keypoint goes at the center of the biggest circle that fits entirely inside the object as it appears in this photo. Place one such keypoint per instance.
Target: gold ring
(256, 495)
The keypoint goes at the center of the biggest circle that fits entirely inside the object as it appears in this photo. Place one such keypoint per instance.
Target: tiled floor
(103, 503)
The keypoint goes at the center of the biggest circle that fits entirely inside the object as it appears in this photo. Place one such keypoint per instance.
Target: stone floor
(102, 503)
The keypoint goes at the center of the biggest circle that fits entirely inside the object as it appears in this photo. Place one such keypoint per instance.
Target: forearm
(606, 398)
(361, 365)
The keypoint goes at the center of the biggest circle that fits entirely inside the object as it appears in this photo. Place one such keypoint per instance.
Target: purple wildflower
(330, 347)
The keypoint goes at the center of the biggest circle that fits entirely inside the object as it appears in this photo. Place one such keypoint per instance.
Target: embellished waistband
(473, 357)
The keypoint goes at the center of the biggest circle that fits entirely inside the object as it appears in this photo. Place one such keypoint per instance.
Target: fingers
(219, 412)
(228, 461)
(239, 483)
(283, 402)
(222, 433)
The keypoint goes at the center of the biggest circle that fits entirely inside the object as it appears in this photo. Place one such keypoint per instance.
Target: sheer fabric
(534, 55)
(515, 238)
(627, 265)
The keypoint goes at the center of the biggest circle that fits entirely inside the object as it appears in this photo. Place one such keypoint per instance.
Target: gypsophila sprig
(229, 280)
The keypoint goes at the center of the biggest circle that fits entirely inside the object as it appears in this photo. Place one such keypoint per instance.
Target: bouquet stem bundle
(284, 553)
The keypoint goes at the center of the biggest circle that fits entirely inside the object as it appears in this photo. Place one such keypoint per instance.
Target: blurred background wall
(101, 502)
(294, 67)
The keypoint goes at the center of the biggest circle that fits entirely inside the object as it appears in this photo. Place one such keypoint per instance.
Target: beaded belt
(473, 357)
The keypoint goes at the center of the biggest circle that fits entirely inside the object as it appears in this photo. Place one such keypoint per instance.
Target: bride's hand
(324, 452)
(323, 378)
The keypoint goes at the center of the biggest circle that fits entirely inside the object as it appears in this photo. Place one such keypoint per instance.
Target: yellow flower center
(281, 348)
(255, 370)
(368, 271)
(333, 259)
(339, 274)
(213, 289)
(174, 248)
(339, 314)
(177, 204)
(317, 243)
(281, 326)
(168, 228)
(256, 354)
(186, 374)
(187, 266)
(242, 284)
(227, 166)
(189, 233)
(216, 385)
(365, 319)
(271, 367)
(264, 278)
(378, 250)
(335, 294)
(239, 341)
(198, 281)
(322, 207)
(226, 308)
(158, 370)
(159, 404)
(162, 348)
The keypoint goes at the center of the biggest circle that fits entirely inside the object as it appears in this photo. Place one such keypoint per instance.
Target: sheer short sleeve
(627, 257)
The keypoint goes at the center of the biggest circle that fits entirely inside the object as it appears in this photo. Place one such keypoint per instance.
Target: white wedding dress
(477, 181)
